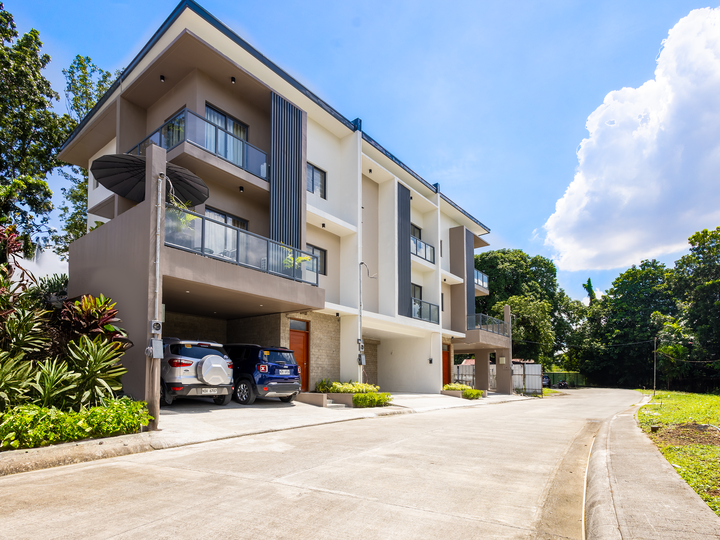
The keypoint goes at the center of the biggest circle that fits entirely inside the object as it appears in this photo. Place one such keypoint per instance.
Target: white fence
(526, 378)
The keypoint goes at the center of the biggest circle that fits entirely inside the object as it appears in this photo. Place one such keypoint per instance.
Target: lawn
(691, 447)
(550, 392)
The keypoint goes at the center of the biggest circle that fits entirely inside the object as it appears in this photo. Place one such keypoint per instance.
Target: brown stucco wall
(184, 326)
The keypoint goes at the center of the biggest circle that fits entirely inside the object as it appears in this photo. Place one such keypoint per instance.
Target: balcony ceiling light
(162, 78)
(242, 189)
(232, 80)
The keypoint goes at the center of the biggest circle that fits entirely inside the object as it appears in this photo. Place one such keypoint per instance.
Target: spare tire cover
(213, 369)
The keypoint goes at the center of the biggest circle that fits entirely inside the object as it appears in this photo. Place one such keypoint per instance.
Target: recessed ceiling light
(187, 291)
(261, 305)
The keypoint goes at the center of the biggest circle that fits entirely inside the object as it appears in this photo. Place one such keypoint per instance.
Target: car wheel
(288, 399)
(164, 398)
(222, 400)
(244, 392)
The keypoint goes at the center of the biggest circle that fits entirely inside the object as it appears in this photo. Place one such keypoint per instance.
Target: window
(441, 248)
(322, 257)
(226, 122)
(316, 180)
(222, 241)
(226, 218)
(442, 301)
(416, 291)
(415, 231)
(296, 324)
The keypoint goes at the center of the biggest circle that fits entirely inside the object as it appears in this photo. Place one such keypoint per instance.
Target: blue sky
(490, 99)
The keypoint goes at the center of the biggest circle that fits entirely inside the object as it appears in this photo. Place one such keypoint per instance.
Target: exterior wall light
(162, 78)
(232, 80)
(242, 189)
(430, 360)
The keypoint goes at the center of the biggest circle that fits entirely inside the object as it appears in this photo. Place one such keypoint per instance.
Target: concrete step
(332, 405)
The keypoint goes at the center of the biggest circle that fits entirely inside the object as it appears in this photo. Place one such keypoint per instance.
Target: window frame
(310, 248)
(226, 116)
(324, 180)
(414, 286)
(228, 215)
(414, 228)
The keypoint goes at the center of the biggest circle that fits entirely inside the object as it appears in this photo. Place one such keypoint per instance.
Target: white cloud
(44, 264)
(649, 172)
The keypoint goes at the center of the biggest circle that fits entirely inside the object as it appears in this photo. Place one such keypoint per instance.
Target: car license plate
(283, 372)
(209, 390)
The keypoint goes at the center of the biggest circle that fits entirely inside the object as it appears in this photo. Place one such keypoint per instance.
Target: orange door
(299, 345)
(446, 367)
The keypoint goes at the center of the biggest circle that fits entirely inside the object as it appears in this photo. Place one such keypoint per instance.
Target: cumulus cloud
(649, 172)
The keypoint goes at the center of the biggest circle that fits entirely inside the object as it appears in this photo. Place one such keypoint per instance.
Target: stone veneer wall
(183, 326)
(324, 344)
(371, 360)
(263, 330)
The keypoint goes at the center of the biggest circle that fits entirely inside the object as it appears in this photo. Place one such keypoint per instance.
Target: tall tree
(30, 133)
(533, 336)
(617, 346)
(86, 84)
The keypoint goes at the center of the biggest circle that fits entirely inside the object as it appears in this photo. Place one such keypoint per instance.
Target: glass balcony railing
(422, 250)
(481, 279)
(489, 324)
(198, 234)
(188, 126)
(425, 311)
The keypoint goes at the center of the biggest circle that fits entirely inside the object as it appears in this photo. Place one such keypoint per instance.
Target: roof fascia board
(213, 21)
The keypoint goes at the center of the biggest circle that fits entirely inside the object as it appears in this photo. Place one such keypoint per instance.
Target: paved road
(512, 470)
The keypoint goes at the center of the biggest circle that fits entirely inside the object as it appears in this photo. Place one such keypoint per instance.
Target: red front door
(299, 345)
(446, 367)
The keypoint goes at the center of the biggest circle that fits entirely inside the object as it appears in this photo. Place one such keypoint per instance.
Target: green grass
(550, 391)
(670, 408)
(697, 464)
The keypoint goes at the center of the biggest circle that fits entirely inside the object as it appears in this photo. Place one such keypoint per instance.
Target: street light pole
(654, 364)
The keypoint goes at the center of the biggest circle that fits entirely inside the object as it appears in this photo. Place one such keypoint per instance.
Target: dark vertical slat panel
(404, 302)
(470, 271)
(286, 173)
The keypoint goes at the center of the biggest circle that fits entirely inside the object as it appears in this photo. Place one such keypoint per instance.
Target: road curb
(33, 459)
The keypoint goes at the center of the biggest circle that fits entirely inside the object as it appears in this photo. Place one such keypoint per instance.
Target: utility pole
(361, 344)
(654, 364)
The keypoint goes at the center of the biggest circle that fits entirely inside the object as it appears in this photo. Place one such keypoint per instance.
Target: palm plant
(53, 383)
(15, 375)
(98, 368)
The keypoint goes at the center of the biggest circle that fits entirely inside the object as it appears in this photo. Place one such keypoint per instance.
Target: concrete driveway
(513, 470)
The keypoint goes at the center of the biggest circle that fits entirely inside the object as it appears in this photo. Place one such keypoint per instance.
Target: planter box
(319, 400)
(456, 393)
(344, 399)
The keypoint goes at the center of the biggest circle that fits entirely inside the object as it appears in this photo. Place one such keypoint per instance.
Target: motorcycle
(563, 384)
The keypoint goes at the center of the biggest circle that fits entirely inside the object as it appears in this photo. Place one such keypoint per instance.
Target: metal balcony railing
(487, 323)
(188, 126)
(425, 311)
(481, 279)
(422, 249)
(198, 234)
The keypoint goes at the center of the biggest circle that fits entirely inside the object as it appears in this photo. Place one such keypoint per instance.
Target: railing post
(202, 236)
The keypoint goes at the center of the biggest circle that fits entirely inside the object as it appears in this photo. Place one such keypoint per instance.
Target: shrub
(471, 393)
(98, 368)
(456, 387)
(15, 377)
(371, 399)
(327, 387)
(93, 317)
(30, 426)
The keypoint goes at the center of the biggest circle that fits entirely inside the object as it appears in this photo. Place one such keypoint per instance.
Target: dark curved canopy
(124, 174)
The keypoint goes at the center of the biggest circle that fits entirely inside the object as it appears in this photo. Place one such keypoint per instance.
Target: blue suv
(263, 372)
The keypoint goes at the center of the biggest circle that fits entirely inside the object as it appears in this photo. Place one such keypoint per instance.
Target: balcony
(422, 249)
(186, 126)
(480, 321)
(481, 279)
(198, 234)
(425, 311)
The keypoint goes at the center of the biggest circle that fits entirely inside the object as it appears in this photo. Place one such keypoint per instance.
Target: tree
(86, 84)
(30, 133)
(617, 336)
(533, 336)
(697, 283)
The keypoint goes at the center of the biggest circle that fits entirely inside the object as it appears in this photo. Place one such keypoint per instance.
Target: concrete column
(503, 362)
(155, 166)
(482, 367)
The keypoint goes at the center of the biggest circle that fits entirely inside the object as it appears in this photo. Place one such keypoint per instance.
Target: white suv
(195, 369)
